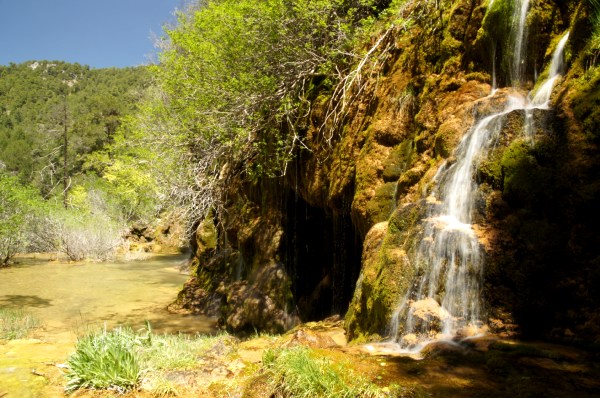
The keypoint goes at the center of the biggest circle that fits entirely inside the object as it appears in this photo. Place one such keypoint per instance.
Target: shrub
(18, 204)
(76, 234)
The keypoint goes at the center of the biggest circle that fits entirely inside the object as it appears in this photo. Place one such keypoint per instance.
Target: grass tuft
(15, 324)
(117, 359)
(105, 360)
(298, 372)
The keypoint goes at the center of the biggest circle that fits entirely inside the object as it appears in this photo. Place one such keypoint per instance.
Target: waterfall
(541, 99)
(519, 20)
(444, 300)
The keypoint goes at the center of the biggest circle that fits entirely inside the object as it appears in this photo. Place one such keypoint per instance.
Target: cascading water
(519, 40)
(445, 300)
(541, 99)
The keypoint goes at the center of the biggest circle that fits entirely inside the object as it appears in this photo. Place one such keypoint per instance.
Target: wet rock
(429, 312)
(260, 304)
(309, 338)
(193, 299)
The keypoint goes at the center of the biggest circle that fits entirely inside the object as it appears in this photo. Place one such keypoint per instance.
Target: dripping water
(494, 83)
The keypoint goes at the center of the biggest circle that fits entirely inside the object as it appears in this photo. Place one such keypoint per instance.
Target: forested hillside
(44, 105)
(70, 182)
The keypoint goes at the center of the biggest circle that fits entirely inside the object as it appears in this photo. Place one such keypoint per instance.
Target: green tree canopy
(237, 76)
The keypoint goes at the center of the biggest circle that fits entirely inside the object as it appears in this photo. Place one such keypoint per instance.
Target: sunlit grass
(170, 352)
(299, 372)
(105, 360)
(15, 324)
(161, 387)
(121, 358)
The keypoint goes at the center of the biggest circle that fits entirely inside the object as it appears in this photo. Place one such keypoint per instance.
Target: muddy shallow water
(74, 297)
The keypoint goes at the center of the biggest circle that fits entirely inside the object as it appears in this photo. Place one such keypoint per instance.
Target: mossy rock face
(385, 277)
(586, 103)
(373, 199)
(526, 182)
(446, 138)
(493, 35)
(410, 178)
(206, 236)
(369, 310)
(489, 170)
(398, 160)
(544, 21)
(382, 204)
(262, 302)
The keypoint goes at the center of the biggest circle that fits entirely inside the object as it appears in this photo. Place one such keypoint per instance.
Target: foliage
(87, 229)
(595, 39)
(15, 324)
(298, 372)
(237, 75)
(117, 359)
(76, 234)
(41, 100)
(141, 167)
(18, 206)
(104, 360)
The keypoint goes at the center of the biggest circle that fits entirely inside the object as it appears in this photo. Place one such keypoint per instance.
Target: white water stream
(519, 40)
(444, 301)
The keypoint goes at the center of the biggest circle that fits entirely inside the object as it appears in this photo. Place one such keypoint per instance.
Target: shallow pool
(77, 296)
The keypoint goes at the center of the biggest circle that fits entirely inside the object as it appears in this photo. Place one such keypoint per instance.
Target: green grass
(105, 360)
(299, 372)
(170, 352)
(15, 324)
(120, 358)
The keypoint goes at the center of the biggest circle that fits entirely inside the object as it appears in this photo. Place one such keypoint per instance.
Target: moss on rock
(397, 161)
(385, 276)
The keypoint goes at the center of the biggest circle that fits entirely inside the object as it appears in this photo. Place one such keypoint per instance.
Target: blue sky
(99, 33)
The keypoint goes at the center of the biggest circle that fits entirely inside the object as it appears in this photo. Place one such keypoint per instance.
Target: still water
(77, 297)
(70, 300)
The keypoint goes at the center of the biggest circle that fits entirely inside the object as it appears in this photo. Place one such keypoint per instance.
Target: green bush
(15, 324)
(18, 205)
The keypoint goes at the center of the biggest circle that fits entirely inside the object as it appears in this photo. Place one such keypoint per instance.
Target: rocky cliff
(334, 236)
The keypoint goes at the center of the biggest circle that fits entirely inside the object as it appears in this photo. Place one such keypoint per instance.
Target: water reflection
(77, 297)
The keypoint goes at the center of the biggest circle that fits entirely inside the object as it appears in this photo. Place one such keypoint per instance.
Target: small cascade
(445, 299)
(541, 99)
(519, 40)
